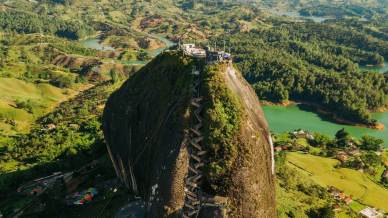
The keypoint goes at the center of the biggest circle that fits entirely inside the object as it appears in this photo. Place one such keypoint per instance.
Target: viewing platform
(210, 54)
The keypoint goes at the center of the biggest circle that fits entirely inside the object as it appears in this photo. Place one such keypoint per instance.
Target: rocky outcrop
(151, 125)
(151, 21)
(144, 124)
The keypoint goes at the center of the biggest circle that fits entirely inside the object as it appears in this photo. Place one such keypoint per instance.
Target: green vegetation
(311, 160)
(62, 140)
(37, 72)
(297, 195)
(323, 171)
(371, 143)
(339, 12)
(143, 56)
(68, 137)
(354, 154)
(24, 22)
(30, 87)
(314, 63)
(22, 102)
(304, 179)
(221, 125)
(42, 65)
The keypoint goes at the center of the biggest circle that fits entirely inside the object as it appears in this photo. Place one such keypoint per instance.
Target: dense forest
(68, 137)
(339, 12)
(25, 22)
(306, 62)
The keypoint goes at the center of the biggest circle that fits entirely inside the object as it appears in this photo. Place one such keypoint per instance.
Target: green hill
(22, 102)
(323, 172)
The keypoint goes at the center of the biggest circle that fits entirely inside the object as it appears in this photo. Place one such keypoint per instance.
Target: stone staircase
(193, 197)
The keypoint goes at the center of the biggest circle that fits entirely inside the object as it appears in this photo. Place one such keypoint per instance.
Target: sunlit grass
(352, 182)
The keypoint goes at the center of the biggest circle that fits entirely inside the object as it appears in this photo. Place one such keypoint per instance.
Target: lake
(168, 44)
(296, 14)
(95, 43)
(284, 119)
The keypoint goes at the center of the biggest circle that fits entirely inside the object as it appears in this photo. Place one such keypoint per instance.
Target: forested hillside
(24, 22)
(61, 59)
(314, 63)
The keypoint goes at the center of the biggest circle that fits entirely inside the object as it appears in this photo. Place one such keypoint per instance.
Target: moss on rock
(222, 120)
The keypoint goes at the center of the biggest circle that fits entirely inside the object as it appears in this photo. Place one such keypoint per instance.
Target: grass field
(42, 98)
(352, 182)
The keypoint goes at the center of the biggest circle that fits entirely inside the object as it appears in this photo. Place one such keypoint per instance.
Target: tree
(342, 138)
(371, 159)
(320, 140)
(324, 212)
(115, 77)
(26, 105)
(63, 81)
(143, 55)
(371, 143)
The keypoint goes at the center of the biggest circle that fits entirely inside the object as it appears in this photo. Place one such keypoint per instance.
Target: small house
(355, 152)
(342, 156)
(51, 126)
(303, 134)
(194, 51)
(285, 148)
(334, 191)
(336, 207)
(347, 200)
(370, 213)
(278, 149)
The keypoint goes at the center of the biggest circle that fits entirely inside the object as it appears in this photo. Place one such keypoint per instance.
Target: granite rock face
(145, 123)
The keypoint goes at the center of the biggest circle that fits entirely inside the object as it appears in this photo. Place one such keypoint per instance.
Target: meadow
(22, 102)
(357, 184)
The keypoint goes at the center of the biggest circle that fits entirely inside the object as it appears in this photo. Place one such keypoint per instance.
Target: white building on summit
(211, 54)
(193, 50)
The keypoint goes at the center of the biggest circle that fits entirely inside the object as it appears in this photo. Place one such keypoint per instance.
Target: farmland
(323, 172)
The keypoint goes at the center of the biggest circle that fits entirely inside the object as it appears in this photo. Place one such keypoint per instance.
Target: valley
(61, 60)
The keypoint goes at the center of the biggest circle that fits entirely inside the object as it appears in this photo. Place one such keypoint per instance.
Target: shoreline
(374, 65)
(381, 109)
(334, 118)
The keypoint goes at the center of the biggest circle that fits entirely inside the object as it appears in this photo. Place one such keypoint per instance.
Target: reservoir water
(284, 119)
(168, 44)
(95, 43)
(296, 15)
